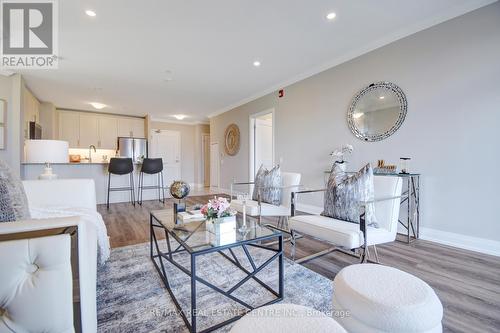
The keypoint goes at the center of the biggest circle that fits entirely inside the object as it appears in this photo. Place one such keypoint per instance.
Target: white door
(214, 165)
(206, 160)
(167, 145)
(263, 143)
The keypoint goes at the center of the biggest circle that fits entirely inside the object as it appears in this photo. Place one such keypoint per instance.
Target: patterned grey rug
(132, 298)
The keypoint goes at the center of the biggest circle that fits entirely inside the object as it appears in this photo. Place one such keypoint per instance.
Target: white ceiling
(209, 48)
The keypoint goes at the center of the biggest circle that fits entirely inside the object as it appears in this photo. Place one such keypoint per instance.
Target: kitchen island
(99, 172)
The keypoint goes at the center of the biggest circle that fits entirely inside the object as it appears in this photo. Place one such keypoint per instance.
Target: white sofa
(35, 287)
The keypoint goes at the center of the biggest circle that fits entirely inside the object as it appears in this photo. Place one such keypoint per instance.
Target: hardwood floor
(468, 283)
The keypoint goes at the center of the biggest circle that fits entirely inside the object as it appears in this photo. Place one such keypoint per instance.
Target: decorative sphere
(179, 189)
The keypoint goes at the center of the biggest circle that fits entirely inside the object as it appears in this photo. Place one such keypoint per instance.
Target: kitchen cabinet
(125, 127)
(31, 110)
(138, 128)
(69, 128)
(82, 129)
(89, 130)
(108, 132)
(131, 127)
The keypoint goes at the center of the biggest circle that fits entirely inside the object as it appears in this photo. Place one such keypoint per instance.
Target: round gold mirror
(232, 140)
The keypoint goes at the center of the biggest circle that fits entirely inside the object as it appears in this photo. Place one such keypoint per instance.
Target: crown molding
(179, 122)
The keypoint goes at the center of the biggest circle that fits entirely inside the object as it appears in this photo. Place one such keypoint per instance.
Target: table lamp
(47, 151)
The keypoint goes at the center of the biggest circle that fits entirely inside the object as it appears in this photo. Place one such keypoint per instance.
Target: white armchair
(48, 266)
(290, 183)
(348, 237)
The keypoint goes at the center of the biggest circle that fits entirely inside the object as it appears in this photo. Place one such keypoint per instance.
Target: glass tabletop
(198, 234)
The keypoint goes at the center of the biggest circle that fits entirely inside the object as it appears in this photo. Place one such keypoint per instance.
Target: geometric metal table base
(158, 257)
(411, 198)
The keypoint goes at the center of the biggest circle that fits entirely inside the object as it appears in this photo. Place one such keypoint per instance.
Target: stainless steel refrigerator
(135, 148)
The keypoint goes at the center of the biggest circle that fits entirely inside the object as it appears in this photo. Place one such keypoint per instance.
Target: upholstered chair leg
(364, 255)
(162, 188)
(139, 188)
(132, 190)
(293, 243)
(109, 185)
(286, 224)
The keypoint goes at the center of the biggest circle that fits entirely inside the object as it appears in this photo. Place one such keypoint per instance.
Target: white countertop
(76, 163)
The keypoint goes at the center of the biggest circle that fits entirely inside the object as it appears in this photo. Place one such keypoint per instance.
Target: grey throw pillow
(344, 193)
(13, 200)
(269, 184)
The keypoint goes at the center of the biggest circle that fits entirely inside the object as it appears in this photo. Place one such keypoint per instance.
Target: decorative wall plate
(232, 140)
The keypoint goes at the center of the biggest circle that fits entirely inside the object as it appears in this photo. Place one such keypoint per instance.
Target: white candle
(244, 212)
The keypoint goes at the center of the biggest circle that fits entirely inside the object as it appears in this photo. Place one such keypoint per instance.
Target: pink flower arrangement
(217, 208)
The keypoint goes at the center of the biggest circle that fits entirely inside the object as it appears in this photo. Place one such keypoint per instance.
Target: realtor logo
(29, 34)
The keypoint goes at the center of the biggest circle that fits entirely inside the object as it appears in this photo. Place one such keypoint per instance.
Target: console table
(409, 203)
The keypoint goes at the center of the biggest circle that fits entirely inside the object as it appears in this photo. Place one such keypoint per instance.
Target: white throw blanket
(91, 219)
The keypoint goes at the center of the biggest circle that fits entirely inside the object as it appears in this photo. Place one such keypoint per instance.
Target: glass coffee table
(202, 237)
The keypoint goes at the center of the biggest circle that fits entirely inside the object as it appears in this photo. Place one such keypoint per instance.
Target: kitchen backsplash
(97, 156)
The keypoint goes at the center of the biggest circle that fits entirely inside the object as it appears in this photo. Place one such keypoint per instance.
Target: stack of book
(190, 216)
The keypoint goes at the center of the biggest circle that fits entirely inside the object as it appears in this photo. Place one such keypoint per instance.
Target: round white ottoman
(286, 318)
(385, 299)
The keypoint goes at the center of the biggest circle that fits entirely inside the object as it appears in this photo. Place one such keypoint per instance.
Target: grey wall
(451, 76)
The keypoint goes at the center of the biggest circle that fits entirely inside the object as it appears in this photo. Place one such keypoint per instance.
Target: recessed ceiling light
(97, 105)
(256, 63)
(381, 97)
(90, 13)
(179, 116)
(331, 16)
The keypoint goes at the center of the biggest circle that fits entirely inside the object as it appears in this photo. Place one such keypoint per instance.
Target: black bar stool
(152, 166)
(121, 166)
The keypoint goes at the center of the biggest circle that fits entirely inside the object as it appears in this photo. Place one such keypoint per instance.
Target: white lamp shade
(47, 151)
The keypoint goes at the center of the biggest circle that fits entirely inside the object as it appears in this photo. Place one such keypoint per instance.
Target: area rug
(132, 298)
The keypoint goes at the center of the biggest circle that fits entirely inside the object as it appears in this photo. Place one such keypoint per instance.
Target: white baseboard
(470, 243)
